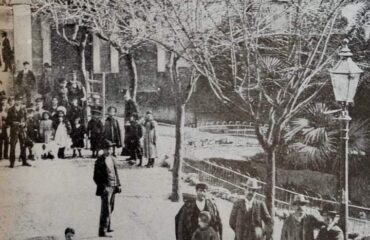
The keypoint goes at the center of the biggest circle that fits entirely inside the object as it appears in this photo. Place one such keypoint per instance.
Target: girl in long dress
(62, 129)
(150, 139)
(46, 132)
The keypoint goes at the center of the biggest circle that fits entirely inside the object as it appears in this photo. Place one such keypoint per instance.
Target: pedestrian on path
(108, 184)
(300, 225)
(95, 130)
(249, 215)
(150, 139)
(204, 231)
(62, 129)
(331, 231)
(133, 136)
(17, 121)
(112, 130)
(6, 52)
(186, 220)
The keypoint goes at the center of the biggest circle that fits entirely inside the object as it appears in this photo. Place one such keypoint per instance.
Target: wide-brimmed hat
(96, 112)
(18, 98)
(300, 199)
(329, 208)
(62, 109)
(47, 65)
(252, 183)
(3, 97)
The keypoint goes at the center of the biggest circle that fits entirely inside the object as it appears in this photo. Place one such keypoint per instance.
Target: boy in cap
(26, 81)
(186, 220)
(331, 231)
(300, 224)
(249, 215)
(108, 184)
(204, 231)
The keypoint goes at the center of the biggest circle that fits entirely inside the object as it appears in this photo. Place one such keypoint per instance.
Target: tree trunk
(270, 184)
(82, 51)
(176, 170)
(132, 73)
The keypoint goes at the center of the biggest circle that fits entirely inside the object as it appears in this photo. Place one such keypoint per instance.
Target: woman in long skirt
(150, 139)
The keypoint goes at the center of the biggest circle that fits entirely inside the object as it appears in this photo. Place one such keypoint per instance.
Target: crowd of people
(57, 119)
(199, 218)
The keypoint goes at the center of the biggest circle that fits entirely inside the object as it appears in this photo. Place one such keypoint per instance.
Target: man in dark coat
(300, 224)
(95, 130)
(186, 220)
(249, 215)
(332, 231)
(75, 111)
(26, 82)
(108, 184)
(112, 130)
(6, 52)
(132, 137)
(17, 121)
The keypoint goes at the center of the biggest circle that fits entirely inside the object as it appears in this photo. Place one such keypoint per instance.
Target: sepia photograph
(185, 119)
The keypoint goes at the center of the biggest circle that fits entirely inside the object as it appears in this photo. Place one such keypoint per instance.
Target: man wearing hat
(17, 121)
(26, 81)
(186, 220)
(300, 225)
(249, 215)
(331, 231)
(108, 184)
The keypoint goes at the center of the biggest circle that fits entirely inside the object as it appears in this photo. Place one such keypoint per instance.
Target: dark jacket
(260, 216)
(205, 234)
(112, 131)
(14, 119)
(74, 112)
(30, 79)
(304, 229)
(186, 220)
(335, 233)
(7, 49)
(101, 175)
(95, 130)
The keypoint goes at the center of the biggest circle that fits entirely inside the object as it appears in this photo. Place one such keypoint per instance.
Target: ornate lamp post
(345, 76)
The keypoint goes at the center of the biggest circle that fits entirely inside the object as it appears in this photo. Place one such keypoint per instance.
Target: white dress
(62, 138)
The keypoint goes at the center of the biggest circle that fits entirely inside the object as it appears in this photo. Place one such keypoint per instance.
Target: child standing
(78, 136)
(46, 133)
(95, 130)
(112, 130)
(32, 126)
(204, 231)
(62, 130)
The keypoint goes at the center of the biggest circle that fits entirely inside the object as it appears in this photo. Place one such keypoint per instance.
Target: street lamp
(345, 76)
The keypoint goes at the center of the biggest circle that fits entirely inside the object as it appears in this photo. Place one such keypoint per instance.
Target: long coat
(95, 130)
(260, 217)
(335, 233)
(112, 131)
(6, 49)
(30, 79)
(130, 108)
(186, 220)
(150, 139)
(304, 230)
(101, 175)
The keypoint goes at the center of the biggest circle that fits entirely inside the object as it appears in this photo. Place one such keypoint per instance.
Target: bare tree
(267, 59)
